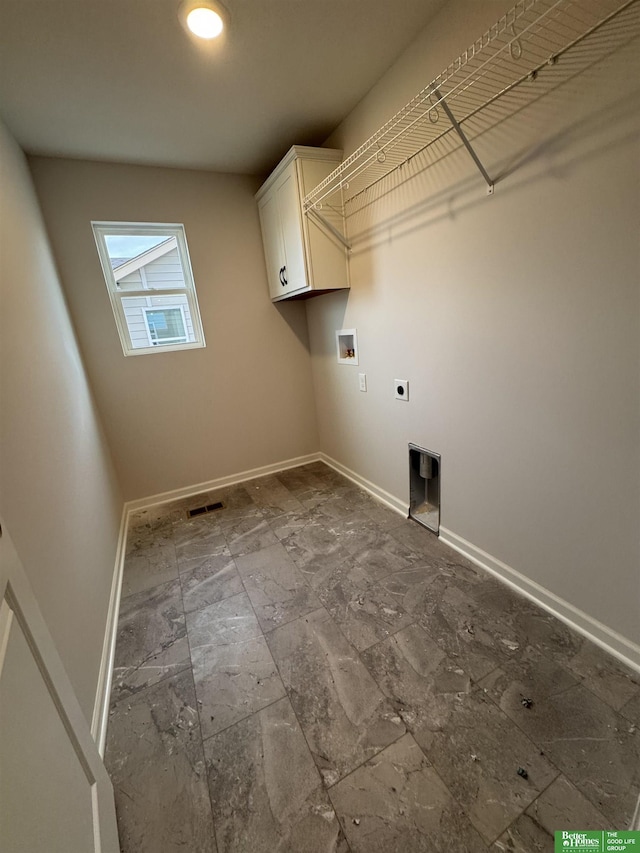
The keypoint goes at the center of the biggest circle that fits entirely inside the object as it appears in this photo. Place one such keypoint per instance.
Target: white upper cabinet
(303, 257)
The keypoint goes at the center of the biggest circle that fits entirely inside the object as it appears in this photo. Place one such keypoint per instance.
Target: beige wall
(59, 498)
(516, 320)
(181, 418)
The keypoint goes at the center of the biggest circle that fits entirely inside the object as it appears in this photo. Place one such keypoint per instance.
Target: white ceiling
(121, 80)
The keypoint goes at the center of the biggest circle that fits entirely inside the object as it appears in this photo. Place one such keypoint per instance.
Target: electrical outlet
(362, 381)
(401, 389)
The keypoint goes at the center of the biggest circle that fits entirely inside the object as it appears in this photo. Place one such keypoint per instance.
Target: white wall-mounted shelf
(535, 47)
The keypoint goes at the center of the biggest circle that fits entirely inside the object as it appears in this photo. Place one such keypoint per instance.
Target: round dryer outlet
(401, 389)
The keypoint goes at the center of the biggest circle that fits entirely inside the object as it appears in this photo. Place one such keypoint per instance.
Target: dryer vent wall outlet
(401, 389)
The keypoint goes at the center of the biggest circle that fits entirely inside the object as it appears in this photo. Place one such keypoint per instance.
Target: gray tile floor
(306, 671)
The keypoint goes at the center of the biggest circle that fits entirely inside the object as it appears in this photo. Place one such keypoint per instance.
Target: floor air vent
(201, 510)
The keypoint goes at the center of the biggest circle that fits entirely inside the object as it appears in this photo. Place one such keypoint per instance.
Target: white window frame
(101, 230)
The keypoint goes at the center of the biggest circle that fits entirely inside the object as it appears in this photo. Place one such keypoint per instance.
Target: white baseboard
(386, 497)
(103, 691)
(220, 482)
(608, 639)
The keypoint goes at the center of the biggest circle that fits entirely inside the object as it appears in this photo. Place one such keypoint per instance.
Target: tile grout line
(244, 719)
(411, 732)
(357, 654)
(517, 818)
(321, 784)
(374, 583)
(561, 771)
(195, 693)
(202, 738)
(130, 696)
(147, 590)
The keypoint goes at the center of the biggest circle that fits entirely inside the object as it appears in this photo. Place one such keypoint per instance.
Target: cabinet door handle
(284, 276)
(280, 275)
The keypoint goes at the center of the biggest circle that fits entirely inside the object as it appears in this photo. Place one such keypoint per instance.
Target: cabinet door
(295, 274)
(272, 241)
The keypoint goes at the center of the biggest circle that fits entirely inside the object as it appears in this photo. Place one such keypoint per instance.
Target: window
(148, 275)
(166, 326)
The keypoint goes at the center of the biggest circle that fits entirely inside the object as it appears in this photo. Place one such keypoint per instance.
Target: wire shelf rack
(536, 45)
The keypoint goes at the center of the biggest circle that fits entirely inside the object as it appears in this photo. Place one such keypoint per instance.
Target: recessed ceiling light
(204, 18)
(205, 22)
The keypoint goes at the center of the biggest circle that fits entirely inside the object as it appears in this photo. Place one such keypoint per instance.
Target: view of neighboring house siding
(133, 281)
(165, 271)
(160, 273)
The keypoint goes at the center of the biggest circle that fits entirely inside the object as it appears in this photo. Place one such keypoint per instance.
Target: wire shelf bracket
(536, 46)
(465, 141)
(323, 222)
